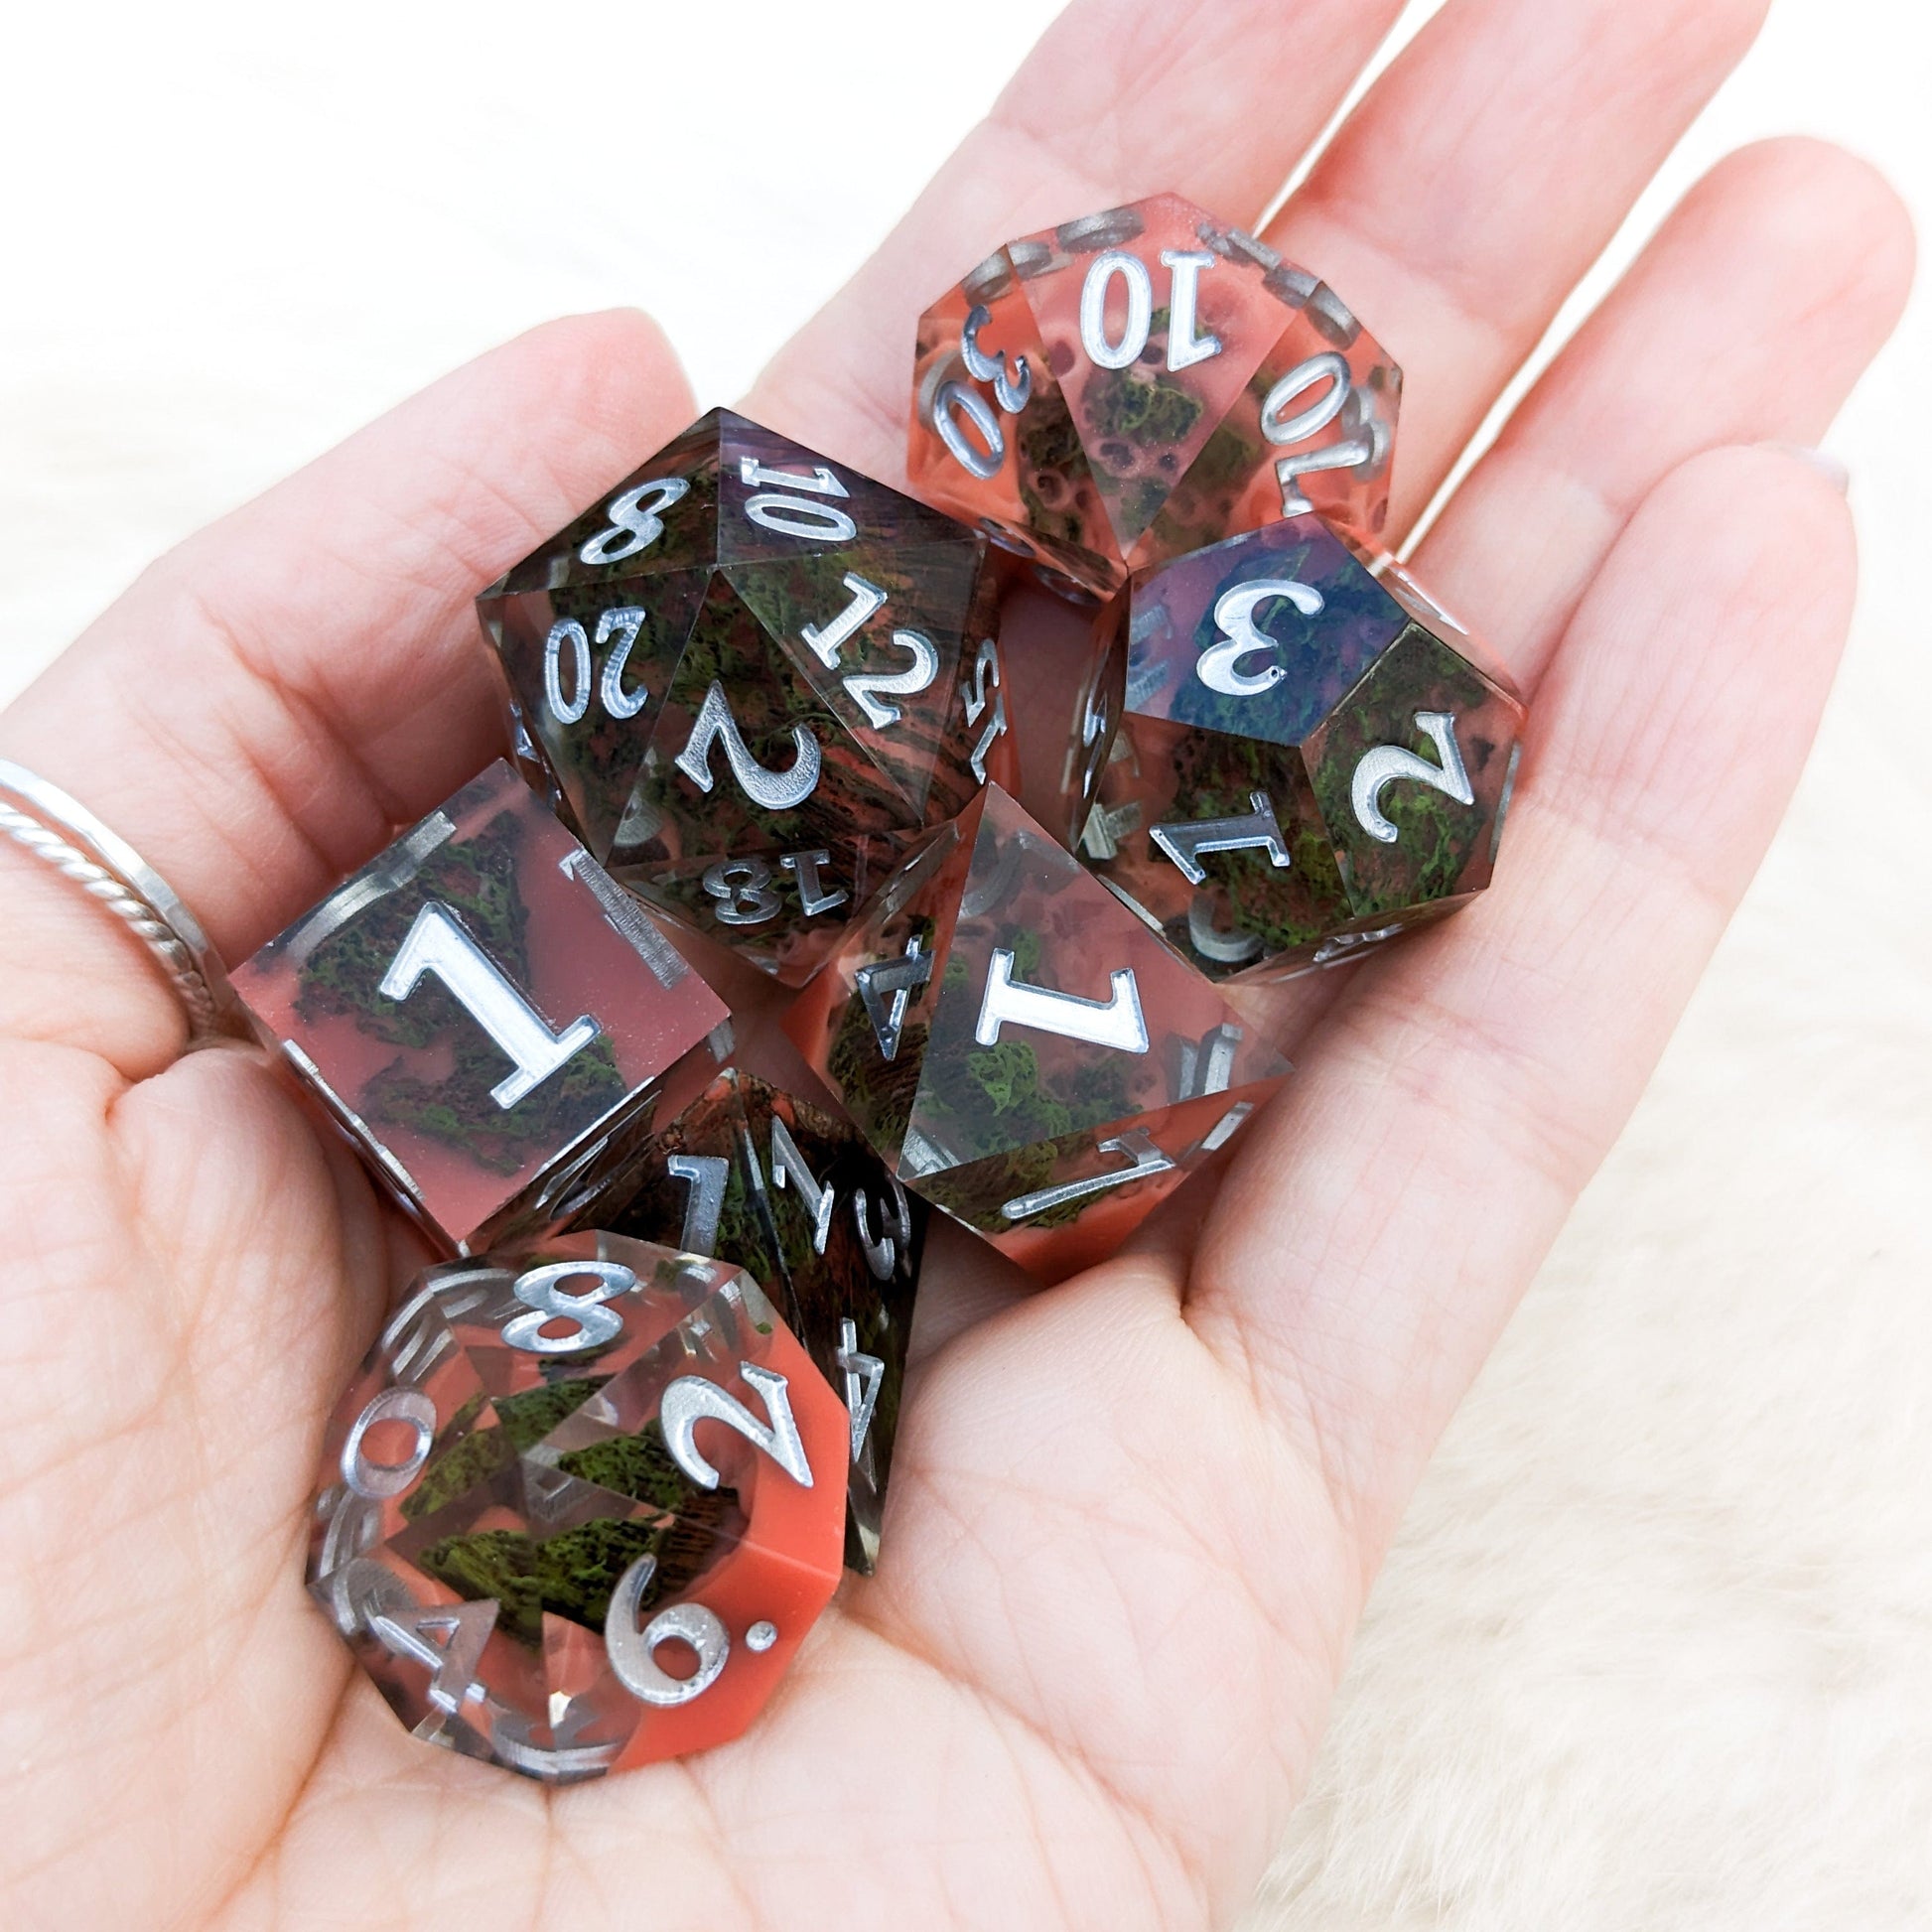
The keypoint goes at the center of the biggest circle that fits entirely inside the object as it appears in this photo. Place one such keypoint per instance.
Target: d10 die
(1021, 1050)
(486, 1015)
(745, 672)
(794, 1196)
(1306, 759)
(1138, 383)
(580, 1504)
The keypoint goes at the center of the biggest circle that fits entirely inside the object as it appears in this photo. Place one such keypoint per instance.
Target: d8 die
(791, 1193)
(747, 674)
(486, 1015)
(1021, 1050)
(580, 1505)
(1141, 383)
(1306, 760)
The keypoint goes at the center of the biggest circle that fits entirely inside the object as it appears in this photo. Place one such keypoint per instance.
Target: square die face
(477, 1001)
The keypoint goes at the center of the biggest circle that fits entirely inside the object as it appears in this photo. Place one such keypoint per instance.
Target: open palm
(1134, 1518)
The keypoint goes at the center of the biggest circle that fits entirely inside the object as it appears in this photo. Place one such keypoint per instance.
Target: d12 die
(486, 1015)
(794, 1196)
(1306, 760)
(1021, 1050)
(1138, 383)
(745, 672)
(580, 1505)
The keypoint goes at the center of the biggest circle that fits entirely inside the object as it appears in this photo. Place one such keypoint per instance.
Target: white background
(1654, 1650)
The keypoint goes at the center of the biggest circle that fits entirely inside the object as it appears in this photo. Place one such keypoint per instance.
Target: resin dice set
(601, 1472)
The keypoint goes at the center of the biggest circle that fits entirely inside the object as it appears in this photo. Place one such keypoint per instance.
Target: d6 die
(792, 1193)
(1141, 383)
(749, 674)
(486, 1015)
(1021, 1050)
(1307, 758)
(580, 1505)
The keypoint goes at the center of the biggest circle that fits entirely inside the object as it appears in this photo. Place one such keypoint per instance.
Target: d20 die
(745, 656)
(580, 1504)
(487, 1017)
(1142, 382)
(1307, 758)
(793, 1194)
(1021, 1050)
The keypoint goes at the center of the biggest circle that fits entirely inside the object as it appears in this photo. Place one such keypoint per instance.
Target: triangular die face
(1258, 636)
(1246, 910)
(1064, 1204)
(589, 666)
(862, 1019)
(1058, 1009)
(1144, 424)
(776, 498)
(662, 516)
(783, 911)
(877, 633)
(677, 1210)
(783, 772)
(1038, 492)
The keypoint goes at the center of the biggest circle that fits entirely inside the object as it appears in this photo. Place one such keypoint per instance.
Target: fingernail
(1828, 466)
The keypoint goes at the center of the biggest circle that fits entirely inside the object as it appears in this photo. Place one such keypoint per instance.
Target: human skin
(1134, 1518)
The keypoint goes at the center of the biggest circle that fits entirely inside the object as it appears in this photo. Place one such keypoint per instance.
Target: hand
(1134, 1518)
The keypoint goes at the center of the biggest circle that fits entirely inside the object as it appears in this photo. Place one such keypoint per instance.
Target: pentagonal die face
(580, 1505)
(793, 1194)
(1021, 1050)
(1139, 383)
(1299, 765)
(746, 675)
(485, 1014)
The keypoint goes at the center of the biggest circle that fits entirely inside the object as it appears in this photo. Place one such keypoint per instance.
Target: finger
(270, 700)
(1380, 1225)
(1120, 100)
(1483, 174)
(1746, 320)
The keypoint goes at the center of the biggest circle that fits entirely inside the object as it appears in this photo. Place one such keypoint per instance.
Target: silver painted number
(814, 895)
(1184, 840)
(986, 676)
(632, 1651)
(1187, 345)
(1013, 382)
(886, 987)
(789, 1167)
(823, 641)
(743, 889)
(1358, 445)
(691, 1400)
(542, 1292)
(437, 944)
(705, 1174)
(866, 688)
(637, 522)
(1219, 665)
(863, 1376)
(1115, 1021)
(953, 408)
(567, 635)
(1388, 763)
(379, 1480)
(895, 1235)
(448, 1640)
(1143, 1158)
(775, 791)
(792, 514)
